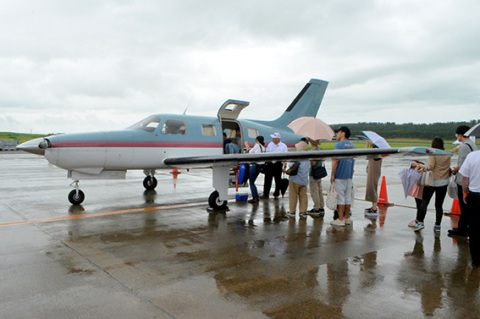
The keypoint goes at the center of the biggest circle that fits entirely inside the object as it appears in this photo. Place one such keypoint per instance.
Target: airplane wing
(234, 159)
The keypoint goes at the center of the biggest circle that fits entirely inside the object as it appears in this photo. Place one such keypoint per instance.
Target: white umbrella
(376, 139)
(311, 127)
(474, 131)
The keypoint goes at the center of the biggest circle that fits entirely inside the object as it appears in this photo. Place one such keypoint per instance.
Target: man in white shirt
(274, 170)
(470, 171)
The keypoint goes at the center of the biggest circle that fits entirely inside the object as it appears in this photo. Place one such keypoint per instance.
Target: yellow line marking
(100, 214)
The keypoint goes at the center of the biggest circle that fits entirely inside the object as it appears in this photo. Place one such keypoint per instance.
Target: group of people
(306, 173)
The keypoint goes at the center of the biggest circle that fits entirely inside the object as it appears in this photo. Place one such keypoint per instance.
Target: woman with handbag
(317, 172)
(440, 167)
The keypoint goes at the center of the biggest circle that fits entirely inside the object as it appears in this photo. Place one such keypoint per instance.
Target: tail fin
(306, 103)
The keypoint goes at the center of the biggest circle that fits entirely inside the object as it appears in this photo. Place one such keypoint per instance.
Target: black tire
(215, 202)
(150, 182)
(76, 199)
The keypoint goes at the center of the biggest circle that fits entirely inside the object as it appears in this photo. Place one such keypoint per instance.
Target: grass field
(8, 136)
(394, 143)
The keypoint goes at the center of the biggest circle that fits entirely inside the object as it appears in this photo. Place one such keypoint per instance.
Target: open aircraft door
(231, 109)
(227, 117)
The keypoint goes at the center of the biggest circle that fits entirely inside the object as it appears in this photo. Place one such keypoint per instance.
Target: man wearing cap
(470, 171)
(466, 147)
(273, 170)
(341, 177)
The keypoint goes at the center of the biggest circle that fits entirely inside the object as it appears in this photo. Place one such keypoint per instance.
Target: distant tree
(408, 130)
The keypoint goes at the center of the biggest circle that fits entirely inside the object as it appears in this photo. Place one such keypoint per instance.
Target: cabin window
(209, 130)
(252, 133)
(174, 127)
(148, 124)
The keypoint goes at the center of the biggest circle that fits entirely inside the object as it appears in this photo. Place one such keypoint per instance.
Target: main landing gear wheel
(215, 202)
(150, 182)
(76, 198)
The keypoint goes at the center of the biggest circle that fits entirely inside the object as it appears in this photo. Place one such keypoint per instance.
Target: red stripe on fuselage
(135, 144)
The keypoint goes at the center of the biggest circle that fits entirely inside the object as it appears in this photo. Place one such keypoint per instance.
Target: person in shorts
(341, 177)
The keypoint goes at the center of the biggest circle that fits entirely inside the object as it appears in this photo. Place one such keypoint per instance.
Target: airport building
(8, 145)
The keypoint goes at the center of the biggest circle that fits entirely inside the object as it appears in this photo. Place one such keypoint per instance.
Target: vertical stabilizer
(306, 103)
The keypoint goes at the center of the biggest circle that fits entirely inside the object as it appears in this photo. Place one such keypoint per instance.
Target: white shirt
(257, 149)
(277, 148)
(471, 169)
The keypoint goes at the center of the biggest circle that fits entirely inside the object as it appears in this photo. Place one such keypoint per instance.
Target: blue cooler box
(241, 197)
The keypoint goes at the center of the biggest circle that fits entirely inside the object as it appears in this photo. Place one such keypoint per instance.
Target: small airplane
(170, 141)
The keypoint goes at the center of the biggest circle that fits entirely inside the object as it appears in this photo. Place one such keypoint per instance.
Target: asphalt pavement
(130, 253)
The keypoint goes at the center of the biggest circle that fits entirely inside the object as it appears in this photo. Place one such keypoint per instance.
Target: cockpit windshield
(148, 124)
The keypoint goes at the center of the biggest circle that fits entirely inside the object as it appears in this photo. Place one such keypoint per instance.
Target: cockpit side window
(148, 124)
(174, 127)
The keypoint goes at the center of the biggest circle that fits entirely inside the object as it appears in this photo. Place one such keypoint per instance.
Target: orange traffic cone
(175, 174)
(383, 198)
(455, 208)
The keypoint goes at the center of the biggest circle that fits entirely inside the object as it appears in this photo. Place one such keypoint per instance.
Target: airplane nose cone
(36, 146)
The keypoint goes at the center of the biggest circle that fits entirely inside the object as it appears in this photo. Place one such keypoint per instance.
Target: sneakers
(337, 222)
(347, 221)
(316, 212)
(412, 224)
(371, 211)
(419, 226)
(303, 215)
(291, 215)
(436, 228)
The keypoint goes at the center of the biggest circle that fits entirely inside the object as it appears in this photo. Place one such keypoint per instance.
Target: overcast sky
(69, 66)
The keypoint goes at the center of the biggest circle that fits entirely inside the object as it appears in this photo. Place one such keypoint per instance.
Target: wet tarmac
(127, 253)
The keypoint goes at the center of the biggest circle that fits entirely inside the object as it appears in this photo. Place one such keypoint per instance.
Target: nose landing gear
(76, 196)
(150, 182)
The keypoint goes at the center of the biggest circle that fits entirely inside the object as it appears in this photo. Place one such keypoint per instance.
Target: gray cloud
(114, 62)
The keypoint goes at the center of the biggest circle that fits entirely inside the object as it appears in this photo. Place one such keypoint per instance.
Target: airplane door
(231, 109)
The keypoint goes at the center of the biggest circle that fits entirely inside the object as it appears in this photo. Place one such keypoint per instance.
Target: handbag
(319, 172)
(426, 179)
(293, 170)
(452, 188)
(331, 200)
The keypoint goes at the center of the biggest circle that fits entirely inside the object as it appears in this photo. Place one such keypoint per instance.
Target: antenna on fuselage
(185, 112)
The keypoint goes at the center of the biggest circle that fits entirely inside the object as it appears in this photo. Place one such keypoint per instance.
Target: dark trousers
(464, 216)
(428, 192)
(473, 207)
(272, 170)
(252, 177)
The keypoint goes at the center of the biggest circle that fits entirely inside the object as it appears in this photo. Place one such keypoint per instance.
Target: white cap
(275, 135)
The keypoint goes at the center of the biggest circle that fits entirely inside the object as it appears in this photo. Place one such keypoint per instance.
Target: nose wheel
(76, 196)
(150, 182)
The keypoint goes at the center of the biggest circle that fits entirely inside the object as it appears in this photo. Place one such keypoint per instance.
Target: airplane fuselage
(146, 147)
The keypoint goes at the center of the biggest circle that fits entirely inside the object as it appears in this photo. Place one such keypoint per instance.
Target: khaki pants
(317, 193)
(297, 192)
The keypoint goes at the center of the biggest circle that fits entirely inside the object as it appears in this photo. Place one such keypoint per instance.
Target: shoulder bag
(427, 178)
(319, 172)
(292, 171)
